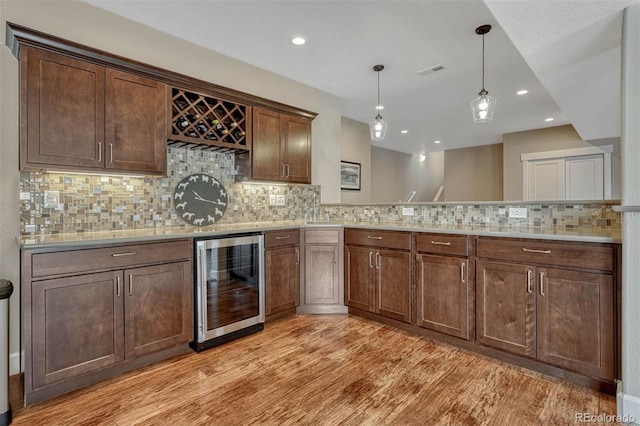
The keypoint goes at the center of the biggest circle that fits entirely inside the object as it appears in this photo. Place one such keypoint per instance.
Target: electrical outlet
(517, 212)
(51, 199)
(280, 200)
(407, 211)
(272, 200)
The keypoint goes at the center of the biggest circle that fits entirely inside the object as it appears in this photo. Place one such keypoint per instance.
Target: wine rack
(204, 122)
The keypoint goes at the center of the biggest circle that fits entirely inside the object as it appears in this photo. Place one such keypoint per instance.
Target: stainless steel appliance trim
(204, 334)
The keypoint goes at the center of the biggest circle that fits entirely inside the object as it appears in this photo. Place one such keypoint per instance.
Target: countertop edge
(543, 234)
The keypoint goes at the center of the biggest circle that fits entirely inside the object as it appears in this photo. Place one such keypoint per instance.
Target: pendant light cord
(378, 93)
(482, 63)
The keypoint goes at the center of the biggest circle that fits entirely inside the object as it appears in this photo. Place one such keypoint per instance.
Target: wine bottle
(201, 128)
(192, 133)
(182, 122)
(215, 124)
(233, 124)
(192, 118)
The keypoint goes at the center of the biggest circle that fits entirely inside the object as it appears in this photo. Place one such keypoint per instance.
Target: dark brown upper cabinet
(77, 115)
(281, 147)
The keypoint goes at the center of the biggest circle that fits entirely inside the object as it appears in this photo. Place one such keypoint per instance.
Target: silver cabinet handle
(288, 170)
(297, 257)
(541, 283)
(377, 260)
(118, 286)
(373, 238)
(283, 174)
(99, 152)
(438, 243)
(127, 253)
(130, 284)
(462, 273)
(529, 274)
(536, 251)
(278, 237)
(110, 152)
(370, 260)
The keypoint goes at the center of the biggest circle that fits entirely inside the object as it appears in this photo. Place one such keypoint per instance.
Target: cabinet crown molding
(18, 36)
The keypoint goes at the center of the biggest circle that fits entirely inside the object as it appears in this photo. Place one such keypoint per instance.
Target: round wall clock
(200, 199)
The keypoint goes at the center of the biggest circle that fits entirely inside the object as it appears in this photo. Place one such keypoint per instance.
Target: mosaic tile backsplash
(568, 216)
(89, 203)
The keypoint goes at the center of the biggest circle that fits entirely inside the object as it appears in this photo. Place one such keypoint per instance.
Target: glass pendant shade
(378, 128)
(482, 107)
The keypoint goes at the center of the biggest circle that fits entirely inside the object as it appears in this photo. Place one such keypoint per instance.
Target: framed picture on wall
(350, 175)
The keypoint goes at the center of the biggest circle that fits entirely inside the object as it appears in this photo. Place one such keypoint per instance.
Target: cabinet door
(158, 307)
(575, 321)
(443, 294)
(505, 306)
(76, 326)
(135, 123)
(63, 111)
(282, 279)
(393, 276)
(321, 272)
(359, 278)
(267, 145)
(297, 150)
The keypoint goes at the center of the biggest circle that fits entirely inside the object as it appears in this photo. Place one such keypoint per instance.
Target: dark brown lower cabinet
(378, 273)
(559, 316)
(81, 326)
(282, 272)
(443, 294)
(77, 325)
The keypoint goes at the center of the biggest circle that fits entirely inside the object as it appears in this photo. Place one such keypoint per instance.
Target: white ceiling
(565, 52)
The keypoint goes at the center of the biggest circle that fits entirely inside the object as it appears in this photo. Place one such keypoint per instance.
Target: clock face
(200, 199)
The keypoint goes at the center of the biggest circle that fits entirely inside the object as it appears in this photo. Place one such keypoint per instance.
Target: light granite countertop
(150, 234)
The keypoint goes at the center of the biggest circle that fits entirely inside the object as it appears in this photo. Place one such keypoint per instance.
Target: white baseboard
(628, 407)
(14, 363)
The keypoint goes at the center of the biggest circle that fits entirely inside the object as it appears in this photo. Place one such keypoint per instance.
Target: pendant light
(378, 127)
(482, 107)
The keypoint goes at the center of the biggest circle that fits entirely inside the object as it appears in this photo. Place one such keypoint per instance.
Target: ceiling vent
(430, 70)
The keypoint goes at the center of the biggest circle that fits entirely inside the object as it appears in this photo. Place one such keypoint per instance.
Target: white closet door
(585, 177)
(546, 180)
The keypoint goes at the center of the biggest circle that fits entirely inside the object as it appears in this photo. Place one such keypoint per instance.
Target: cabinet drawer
(364, 237)
(71, 261)
(322, 236)
(581, 255)
(282, 238)
(443, 244)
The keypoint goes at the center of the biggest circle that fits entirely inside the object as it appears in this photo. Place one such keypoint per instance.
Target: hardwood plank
(325, 369)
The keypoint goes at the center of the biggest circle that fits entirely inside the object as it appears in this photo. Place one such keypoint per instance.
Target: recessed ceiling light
(548, 119)
(298, 40)
(379, 107)
(404, 132)
(522, 92)
(436, 141)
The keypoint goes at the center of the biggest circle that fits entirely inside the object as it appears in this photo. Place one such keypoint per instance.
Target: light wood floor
(325, 370)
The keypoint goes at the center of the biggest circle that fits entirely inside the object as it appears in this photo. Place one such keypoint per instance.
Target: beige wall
(549, 139)
(395, 174)
(85, 24)
(473, 174)
(355, 146)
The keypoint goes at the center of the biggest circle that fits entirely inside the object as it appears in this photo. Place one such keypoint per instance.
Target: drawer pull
(127, 253)
(536, 251)
(439, 243)
(373, 238)
(278, 237)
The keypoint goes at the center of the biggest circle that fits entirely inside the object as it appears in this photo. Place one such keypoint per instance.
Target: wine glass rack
(204, 122)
